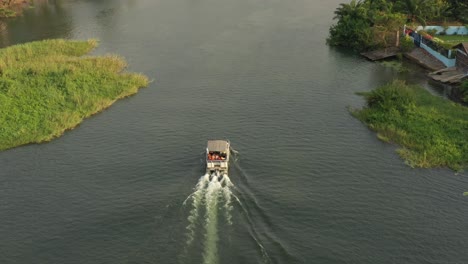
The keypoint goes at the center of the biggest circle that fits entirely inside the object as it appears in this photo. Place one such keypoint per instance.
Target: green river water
(309, 184)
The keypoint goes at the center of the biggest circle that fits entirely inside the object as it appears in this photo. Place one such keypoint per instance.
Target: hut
(462, 57)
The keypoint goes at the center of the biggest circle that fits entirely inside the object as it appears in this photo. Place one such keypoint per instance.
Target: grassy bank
(453, 39)
(432, 131)
(46, 87)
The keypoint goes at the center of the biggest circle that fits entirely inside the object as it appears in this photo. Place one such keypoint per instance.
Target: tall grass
(432, 131)
(464, 91)
(47, 87)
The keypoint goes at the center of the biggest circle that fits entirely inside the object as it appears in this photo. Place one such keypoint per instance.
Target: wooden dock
(381, 54)
(448, 75)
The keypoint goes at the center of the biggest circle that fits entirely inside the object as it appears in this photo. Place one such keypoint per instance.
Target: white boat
(217, 156)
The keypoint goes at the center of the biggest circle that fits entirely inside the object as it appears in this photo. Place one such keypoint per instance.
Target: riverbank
(431, 130)
(46, 88)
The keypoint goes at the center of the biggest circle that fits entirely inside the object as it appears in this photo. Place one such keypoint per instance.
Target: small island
(431, 130)
(48, 87)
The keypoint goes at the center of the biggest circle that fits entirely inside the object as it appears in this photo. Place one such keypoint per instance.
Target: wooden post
(397, 38)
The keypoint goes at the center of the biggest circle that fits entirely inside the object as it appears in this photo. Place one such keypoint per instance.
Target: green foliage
(431, 130)
(458, 9)
(6, 12)
(47, 88)
(432, 32)
(353, 27)
(385, 27)
(368, 24)
(351, 32)
(453, 40)
(406, 44)
(395, 65)
(464, 91)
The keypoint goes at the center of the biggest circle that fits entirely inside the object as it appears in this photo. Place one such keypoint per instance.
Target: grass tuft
(431, 130)
(47, 87)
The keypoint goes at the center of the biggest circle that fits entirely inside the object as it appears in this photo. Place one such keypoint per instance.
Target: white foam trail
(210, 251)
(214, 192)
(197, 199)
(227, 194)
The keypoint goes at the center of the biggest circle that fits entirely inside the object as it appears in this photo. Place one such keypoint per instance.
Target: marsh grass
(396, 65)
(431, 130)
(47, 87)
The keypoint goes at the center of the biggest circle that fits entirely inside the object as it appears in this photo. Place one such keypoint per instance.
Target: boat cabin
(217, 156)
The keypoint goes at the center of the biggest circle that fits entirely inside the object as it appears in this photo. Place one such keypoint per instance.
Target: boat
(217, 156)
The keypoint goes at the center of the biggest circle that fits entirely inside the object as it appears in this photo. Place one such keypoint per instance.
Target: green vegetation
(453, 39)
(406, 44)
(6, 12)
(465, 193)
(369, 24)
(46, 87)
(464, 91)
(364, 25)
(431, 130)
(396, 65)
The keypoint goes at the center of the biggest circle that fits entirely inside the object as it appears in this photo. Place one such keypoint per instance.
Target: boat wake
(211, 200)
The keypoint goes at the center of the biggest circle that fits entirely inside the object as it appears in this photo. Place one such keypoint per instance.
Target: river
(311, 184)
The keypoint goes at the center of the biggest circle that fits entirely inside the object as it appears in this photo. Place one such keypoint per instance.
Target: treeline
(368, 24)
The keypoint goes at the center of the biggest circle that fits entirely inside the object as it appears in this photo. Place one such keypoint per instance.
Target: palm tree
(416, 10)
(354, 9)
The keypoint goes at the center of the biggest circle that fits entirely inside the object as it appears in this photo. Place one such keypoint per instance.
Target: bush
(432, 32)
(353, 33)
(406, 44)
(464, 91)
(431, 130)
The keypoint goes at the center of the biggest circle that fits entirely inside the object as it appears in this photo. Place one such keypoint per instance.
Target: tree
(355, 9)
(353, 26)
(458, 9)
(386, 27)
(415, 9)
(423, 10)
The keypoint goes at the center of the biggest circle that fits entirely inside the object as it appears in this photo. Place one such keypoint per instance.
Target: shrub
(464, 91)
(431, 130)
(406, 44)
(432, 32)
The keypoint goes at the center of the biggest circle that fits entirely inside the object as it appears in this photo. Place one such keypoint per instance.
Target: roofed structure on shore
(462, 46)
(462, 57)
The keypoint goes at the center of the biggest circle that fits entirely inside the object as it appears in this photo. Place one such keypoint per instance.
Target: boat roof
(218, 145)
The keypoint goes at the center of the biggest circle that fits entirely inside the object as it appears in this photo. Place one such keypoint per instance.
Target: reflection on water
(46, 19)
